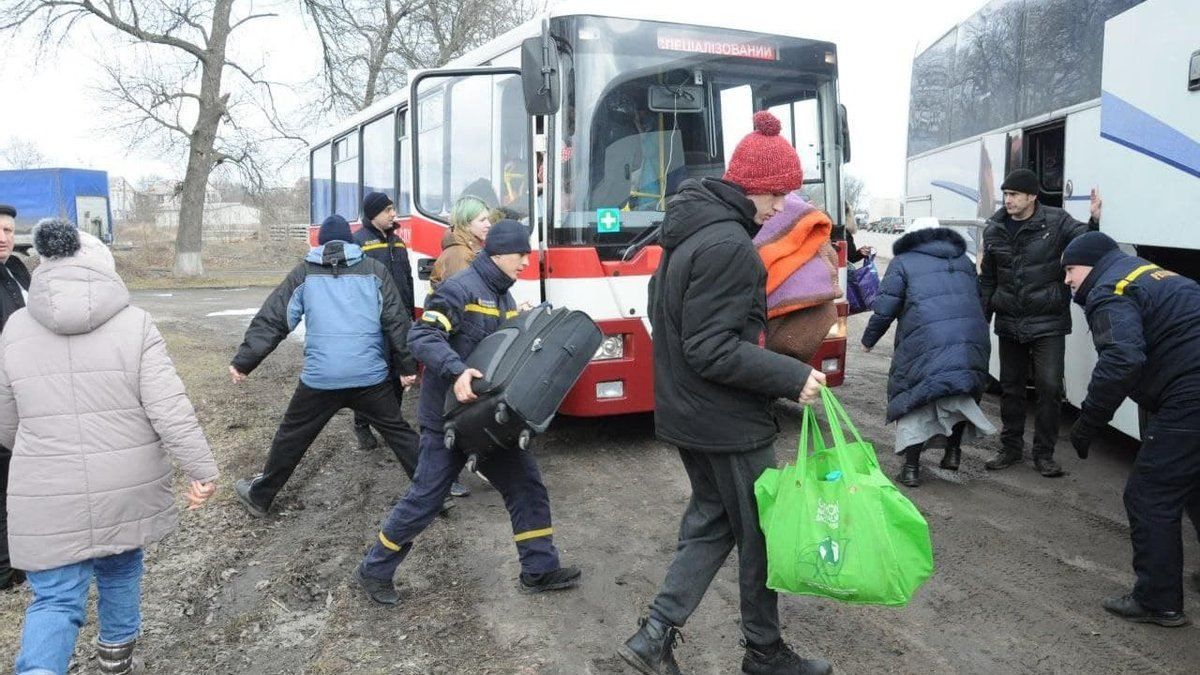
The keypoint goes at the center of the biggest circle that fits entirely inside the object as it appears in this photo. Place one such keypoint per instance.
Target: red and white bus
(629, 103)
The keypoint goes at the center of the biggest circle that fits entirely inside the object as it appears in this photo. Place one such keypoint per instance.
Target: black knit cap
(1021, 180)
(6, 210)
(374, 204)
(506, 236)
(335, 228)
(1087, 249)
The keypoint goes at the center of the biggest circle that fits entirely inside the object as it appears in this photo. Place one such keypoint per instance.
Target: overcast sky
(51, 100)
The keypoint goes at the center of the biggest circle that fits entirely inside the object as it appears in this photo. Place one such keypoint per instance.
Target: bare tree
(854, 191)
(21, 153)
(368, 46)
(180, 98)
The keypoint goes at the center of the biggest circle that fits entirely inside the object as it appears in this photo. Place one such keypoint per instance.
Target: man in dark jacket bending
(1021, 284)
(713, 387)
(14, 285)
(1145, 323)
(353, 315)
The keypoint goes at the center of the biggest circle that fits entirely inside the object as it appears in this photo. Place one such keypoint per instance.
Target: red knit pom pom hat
(764, 162)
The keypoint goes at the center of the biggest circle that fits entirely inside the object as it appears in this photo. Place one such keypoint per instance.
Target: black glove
(1082, 433)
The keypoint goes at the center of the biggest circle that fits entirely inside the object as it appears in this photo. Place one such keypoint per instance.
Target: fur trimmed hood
(942, 242)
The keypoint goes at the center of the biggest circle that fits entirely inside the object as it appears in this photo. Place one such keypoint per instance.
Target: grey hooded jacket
(91, 405)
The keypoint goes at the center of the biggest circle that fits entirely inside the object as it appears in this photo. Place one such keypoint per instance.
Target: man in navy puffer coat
(353, 316)
(942, 344)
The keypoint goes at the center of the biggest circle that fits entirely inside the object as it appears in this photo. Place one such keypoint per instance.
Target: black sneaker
(366, 439)
(1130, 609)
(242, 490)
(779, 659)
(563, 577)
(1003, 460)
(381, 591)
(1047, 467)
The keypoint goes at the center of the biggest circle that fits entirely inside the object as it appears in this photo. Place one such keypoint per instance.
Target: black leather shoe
(563, 577)
(1003, 460)
(779, 659)
(651, 649)
(1047, 467)
(366, 439)
(11, 579)
(951, 459)
(910, 475)
(1130, 609)
(242, 490)
(379, 590)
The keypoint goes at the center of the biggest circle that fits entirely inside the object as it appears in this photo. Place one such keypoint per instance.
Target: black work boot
(951, 459)
(779, 659)
(1130, 609)
(118, 659)
(242, 490)
(651, 649)
(11, 578)
(563, 577)
(1046, 466)
(381, 591)
(366, 439)
(1003, 459)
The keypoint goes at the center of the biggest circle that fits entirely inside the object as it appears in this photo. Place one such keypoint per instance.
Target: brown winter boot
(119, 659)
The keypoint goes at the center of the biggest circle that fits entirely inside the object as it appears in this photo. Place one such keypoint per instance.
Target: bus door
(471, 136)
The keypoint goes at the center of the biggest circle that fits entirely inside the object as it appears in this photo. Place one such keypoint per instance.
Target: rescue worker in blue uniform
(1145, 323)
(458, 315)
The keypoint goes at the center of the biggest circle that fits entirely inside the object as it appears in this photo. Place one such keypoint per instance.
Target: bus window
(379, 157)
(402, 206)
(801, 122)
(345, 176)
(473, 138)
(321, 190)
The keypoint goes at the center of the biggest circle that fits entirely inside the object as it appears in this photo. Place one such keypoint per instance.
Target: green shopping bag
(835, 526)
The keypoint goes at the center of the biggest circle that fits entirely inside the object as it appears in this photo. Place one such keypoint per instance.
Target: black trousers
(5, 569)
(1046, 355)
(307, 414)
(722, 513)
(361, 420)
(1164, 482)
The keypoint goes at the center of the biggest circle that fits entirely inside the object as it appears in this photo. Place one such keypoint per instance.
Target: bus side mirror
(540, 74)
(844, 125)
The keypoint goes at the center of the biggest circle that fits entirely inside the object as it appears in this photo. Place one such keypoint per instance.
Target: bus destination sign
(699, 43)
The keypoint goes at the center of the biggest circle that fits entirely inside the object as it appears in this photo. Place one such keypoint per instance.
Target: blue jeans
(59, 608)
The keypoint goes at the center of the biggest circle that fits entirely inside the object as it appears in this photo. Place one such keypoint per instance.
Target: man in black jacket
(714, 384)
(14, 284)
(1145, 323)
(1021, 284)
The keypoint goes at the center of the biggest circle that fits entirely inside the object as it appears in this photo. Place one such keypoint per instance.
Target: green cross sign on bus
(608, 220)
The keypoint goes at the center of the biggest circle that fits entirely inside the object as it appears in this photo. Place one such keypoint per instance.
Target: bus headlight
(613, 347)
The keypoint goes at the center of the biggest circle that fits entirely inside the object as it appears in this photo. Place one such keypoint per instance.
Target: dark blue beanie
(506, 236)
(374, 204)
(335, 228)
(1087, 249)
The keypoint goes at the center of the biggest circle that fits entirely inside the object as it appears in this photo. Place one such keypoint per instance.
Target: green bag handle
(837, 417)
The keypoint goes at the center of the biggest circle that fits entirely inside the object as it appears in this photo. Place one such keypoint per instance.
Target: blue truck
(77, 195)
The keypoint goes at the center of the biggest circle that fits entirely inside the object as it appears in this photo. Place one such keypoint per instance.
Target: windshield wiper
(650, 236)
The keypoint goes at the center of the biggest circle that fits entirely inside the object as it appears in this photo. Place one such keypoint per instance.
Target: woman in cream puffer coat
(92, 407)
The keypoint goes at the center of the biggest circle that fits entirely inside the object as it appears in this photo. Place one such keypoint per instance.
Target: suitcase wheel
(523, 439)
(450, 437)
(501, 414)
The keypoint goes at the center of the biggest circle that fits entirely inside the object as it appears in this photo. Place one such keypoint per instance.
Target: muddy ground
(1023, 561)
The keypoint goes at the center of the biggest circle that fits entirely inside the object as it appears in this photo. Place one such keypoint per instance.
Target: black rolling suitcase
(529, 364)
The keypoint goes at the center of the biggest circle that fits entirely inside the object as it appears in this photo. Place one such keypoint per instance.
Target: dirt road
(1022, 561)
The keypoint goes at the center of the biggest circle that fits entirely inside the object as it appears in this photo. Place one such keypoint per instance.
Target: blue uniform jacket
(1145, 323)
(389, 249)
(462, 310)
(352, 316)
(942, 343)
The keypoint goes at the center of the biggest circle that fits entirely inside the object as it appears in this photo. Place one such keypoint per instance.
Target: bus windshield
(649, 105)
